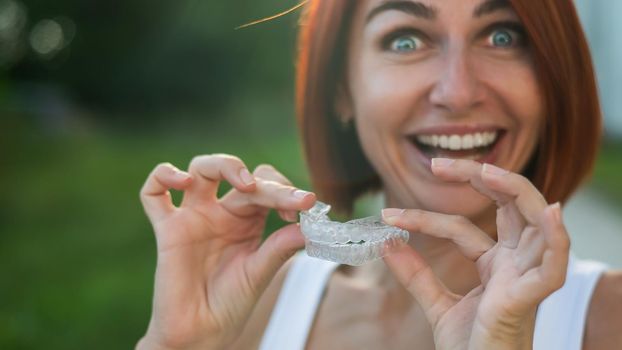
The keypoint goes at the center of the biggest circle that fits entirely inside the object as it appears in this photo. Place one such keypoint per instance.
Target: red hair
(569, 141)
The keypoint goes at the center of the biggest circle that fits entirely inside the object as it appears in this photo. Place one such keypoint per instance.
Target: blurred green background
(93, 94)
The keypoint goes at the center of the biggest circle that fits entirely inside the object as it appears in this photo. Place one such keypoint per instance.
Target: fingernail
(300, 193)
(491, 169)
(392, 212)
(557, 211)
(246, 177)
(442, 162)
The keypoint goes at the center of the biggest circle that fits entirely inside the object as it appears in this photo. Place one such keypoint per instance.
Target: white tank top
(560, 320)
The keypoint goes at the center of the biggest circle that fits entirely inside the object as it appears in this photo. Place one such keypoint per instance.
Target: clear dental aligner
(355, 242)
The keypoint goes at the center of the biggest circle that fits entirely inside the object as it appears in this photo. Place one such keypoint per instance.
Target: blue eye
(405, 43)
(502, 38)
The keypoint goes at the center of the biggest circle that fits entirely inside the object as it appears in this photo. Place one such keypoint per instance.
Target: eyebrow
(421, 10)
(491, 6)
(413, 8)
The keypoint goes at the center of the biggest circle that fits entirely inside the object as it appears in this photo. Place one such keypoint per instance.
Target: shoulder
(253, 331)
(603, 328)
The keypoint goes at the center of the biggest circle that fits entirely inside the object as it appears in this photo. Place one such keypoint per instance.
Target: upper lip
(455, 129)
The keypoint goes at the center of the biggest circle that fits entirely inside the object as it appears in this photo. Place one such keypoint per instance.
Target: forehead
(432, 9)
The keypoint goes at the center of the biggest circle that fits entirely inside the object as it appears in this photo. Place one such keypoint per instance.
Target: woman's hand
(212, 267)
(527, 263)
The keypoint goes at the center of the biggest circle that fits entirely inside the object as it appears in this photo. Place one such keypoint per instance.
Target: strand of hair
(273, 17)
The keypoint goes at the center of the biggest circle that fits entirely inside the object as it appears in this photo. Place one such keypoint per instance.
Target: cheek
(520, 97)
(382, 101)
(386, 95)
(518, 89)
(528, 100)
(528, 105)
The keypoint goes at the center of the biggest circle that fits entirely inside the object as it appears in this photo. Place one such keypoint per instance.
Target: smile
(458, 143)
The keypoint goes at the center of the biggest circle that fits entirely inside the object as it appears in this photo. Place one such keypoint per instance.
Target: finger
(527, 205)
(530, 249)
(209, 170)
(155, 195)
(265, 262)
(496, 183)
(528, 199)
(539, 282)
(511, 218)
(417, 277)
(268, 194)
(469, 239)
(510, 225)
(268, 172)
(464, 170)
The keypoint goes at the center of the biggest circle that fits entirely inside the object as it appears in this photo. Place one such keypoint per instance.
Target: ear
(343, 103)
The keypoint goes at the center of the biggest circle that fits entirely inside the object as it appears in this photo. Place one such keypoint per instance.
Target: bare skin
(476, 268)
(602, 327)
(212, 268)
(389, 305)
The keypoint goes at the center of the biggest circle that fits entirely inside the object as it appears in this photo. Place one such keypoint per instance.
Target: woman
(400, 96)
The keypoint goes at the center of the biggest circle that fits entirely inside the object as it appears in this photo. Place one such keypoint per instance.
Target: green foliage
(142, 56)
(78, 254)
(607, 174)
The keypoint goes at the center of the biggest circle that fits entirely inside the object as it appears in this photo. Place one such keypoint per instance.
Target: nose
(457, 88)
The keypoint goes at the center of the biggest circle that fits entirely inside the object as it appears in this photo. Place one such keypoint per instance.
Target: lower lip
(490, 157)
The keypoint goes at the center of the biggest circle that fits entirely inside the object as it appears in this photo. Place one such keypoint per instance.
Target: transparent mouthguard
(355, 242)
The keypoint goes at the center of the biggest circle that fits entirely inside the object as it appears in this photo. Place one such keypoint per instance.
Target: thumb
(266, 261)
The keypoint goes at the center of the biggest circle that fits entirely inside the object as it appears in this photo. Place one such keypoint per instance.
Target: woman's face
(440, 78)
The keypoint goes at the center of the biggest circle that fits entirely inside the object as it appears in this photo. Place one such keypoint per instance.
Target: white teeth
(443, 141)
(457, 142)
(479, 140)
(467, 141)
